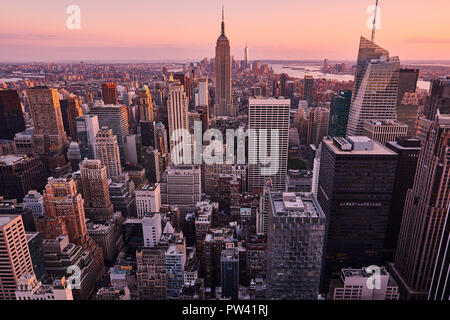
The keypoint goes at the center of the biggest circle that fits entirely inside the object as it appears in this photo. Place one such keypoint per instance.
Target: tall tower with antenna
(223, 105)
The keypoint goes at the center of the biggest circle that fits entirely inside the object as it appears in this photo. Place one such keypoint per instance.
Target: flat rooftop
(11, 159)
(377, 149)
(386, 123)
(5, 219)
(296, 205)
(362, 273)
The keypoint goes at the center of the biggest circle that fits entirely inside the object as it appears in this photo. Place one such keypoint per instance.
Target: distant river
(300, 71)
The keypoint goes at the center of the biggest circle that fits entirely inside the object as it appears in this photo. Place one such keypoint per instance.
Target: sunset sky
(188, 29)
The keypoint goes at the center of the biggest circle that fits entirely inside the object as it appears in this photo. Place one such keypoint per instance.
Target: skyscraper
(408, 150)
(339, 109)
(11, 114)
(87, 127)
(70, 110)
(182, 186)
(269, 115)
(223, 105)
(440, 290)
(356, 181)
(407, 82)
(49, 134)
(295, 246)
(426, 209)
(308, 88)
(94, 181)
(439, 98)
(19, 174)
(246, 59)
(376, 87)
(177, 108)
(145, 104)
(14, 255)
(109, 92)
(229, 271)
(114, 117)
(107, 150)
(318, 125)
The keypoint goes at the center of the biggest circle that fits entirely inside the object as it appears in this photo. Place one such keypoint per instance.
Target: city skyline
(180, 31)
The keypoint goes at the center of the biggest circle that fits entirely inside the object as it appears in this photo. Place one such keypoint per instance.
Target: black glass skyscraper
(11, 115)
(339, 109)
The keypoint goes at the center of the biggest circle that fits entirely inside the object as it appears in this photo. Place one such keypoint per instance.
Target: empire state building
(223, 105)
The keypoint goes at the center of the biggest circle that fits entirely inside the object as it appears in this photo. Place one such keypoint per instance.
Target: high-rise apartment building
(318, 125)
(109, 92)
(19, 174)
(229, 271)
(295, 245)
(268, 116)
(94, 181)
(64, 212)
(151, 228)
(376, 87)
(339, 109)
(145, 104)
(182, 186)
(87, 127)
(114, 117)
(148, 199)
(151, 274)
(356, 181)
(70, 110)
(14, 255)
(439, 98)
(440, 290)
(408, 150)
(308, 89)
(49, 134)
(177, 108)
(11, 114)
(107, 151)
(223, 101)
(425, 212)
(407, 82)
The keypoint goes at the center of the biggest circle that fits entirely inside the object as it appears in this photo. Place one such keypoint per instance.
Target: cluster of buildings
(350, 201)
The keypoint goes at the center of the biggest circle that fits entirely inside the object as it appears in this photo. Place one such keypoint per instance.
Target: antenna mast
(374, 22)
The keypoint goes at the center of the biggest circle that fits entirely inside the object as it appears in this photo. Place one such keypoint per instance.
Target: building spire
(374, 22)
(223, 22)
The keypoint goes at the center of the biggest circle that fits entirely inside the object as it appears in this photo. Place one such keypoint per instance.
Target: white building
(376, 87)
(182, 186)
(269, 115)
(148, 199)
(35, 201)
(360, 284)
(151, 229)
